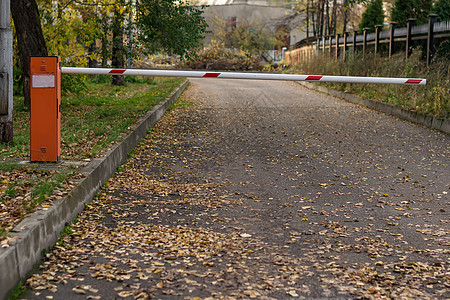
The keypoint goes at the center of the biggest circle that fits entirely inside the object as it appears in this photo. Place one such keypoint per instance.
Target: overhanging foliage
(169, 26)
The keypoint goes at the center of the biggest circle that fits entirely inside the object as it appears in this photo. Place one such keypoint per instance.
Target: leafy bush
(73, 84)
(140, 79)
(17, 82)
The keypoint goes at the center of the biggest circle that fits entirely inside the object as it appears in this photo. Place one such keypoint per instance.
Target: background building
(276, 19)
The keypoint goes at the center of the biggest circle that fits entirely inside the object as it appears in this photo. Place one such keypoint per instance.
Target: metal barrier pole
(237, 75)
(45, 125)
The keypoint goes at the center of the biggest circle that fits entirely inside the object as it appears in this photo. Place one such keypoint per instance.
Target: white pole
(6, 73)
(235, 75)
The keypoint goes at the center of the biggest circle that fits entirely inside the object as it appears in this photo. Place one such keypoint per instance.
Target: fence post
(323, 45)
(377, 38)
(409, 46)
(318, 45)
(365, 41)
(338, 35)
(345, 45)
(355, 34)
(431, 44)
(331, 45)
(6, 73)
(391, 39)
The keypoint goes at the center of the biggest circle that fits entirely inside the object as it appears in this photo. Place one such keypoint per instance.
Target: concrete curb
(41, 230)
(430, 121)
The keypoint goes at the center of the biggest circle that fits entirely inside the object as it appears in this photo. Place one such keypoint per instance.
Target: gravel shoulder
(253, 189)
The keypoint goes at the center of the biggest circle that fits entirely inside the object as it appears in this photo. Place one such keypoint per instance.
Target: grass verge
(434, 98)
(92, 121)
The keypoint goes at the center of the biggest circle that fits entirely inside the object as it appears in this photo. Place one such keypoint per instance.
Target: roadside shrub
(73, 84)
(433, 98)
(17, 82)
(217, 57)
(70, 83)
(140, 79)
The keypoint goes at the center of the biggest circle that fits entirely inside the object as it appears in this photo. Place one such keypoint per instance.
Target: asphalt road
(264, 189)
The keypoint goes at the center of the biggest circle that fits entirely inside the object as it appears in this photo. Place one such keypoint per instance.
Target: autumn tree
(402, 10)
(103, 17)
(69, 29)
(247, 36)
(373, 15)
(30, 39)
(118, 55)
(327, 17)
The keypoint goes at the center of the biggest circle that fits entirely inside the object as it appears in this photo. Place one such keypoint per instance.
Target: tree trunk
(130, 37)
(307, 19)
(117, 46)
(30, 38)
(105, 32)
(328, 18)
(314, 17)
(313, 23)
(321, 14)
(86, 15)
(334, 18)
(346, 8)
(92, 63)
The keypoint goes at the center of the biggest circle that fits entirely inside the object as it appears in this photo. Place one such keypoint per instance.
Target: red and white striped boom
(235, 75)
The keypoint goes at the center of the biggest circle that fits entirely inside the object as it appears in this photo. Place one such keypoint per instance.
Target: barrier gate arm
(45, 90)
(237, 75)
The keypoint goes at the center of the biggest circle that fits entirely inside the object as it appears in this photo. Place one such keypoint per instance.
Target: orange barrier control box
(45, 123)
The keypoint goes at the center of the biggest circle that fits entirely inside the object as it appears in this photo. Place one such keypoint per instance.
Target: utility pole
(6, 73)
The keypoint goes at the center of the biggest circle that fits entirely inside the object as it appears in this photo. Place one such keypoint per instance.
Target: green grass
(93, 119)
(107, 112)
(8, 167)
(180, 103)
(434, 98)
(18, 291)
(43, 189)
(67, 230)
